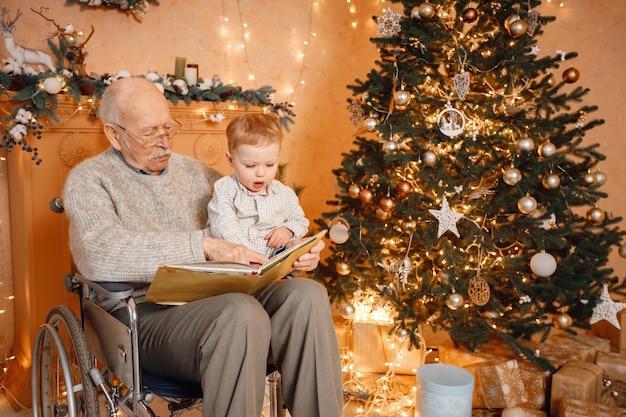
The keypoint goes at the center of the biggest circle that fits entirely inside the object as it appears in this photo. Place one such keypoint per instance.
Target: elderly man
(138, 205)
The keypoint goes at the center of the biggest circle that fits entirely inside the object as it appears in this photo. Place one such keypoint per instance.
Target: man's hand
(278, 237)
(220, 250)
(309, 261)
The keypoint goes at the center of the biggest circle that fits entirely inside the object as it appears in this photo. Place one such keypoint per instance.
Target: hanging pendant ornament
(596, 215)
(354, 190)
(447, 219)
(517, 27)
(526, 144)
(532, 21)
(462, 83)
(551, 181)
(342, 268)
(347, 311)
(547, 149)
(355, 113)
(403, 188)
(478, 290)
(451, 121)
(607, 309)
(389, 23)
(600, 178)
(430, 158)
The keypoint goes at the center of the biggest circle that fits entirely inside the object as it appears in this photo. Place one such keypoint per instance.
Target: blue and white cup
(443, 391)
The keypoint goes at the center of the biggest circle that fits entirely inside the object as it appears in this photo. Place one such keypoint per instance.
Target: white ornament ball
(547, 149)
(390, 147)
(527, 204)
(512, 176)
(401, 98)
(52, 85)
(370, 124)
(415, 13)
(622, 251)
(596, 215)
(600, 178)
(551, 181)
(526, 144)
(347, 311)
(455, 301)
(402, 333)
(543, 264)
(338, 232)
(430, 158)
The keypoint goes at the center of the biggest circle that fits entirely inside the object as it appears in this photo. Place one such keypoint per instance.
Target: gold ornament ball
(390, 147)
(596, 215)
(430, 158)
(342, 268)
(366, 196)
(382, 214)
(403, 188)
(571, 75)
(512, 18)
(469, 15)
(387, 204)
(512, 176)
(589, 179)
(547, 149)
(354, 190)
(370, 124)
(562, 321)
(527, 204)
(426, 11)
(410, 225)
(401, 98)
(454, 301)
(551, 181)
(347, 311)
(622, 251)
(551, 80)
(518, 28)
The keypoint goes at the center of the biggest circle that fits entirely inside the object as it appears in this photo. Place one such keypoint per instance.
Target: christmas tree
(471, 201)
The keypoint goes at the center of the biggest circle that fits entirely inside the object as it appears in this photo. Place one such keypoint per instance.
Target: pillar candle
(191, 74)
(179, 68)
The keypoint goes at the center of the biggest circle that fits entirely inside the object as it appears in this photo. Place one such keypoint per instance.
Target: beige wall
(336, 54)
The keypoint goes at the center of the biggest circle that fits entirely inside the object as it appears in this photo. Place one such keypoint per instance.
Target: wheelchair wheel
(61, 364)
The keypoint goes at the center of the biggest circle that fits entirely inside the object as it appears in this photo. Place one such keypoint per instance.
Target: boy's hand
(278, 237)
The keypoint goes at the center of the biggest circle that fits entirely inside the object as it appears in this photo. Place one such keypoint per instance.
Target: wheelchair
(74, 360)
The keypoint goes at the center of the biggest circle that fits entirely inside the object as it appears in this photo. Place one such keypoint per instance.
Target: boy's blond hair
(254, 129)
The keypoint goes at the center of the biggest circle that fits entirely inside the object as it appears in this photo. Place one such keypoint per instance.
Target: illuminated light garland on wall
(242, 42)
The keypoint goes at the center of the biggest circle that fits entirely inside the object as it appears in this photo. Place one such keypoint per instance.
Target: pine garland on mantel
(34, 94)
(135, 7)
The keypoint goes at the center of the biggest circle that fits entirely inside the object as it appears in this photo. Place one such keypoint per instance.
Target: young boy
(250, 207)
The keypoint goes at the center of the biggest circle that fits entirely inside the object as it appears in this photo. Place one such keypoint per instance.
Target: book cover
(181, 283)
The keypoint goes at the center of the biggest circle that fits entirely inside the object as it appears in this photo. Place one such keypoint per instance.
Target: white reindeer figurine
(22, 55)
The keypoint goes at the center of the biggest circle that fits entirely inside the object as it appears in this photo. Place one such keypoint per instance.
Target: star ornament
(607, 309)
(447, 219)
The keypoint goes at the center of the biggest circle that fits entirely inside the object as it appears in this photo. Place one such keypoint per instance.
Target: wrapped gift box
(451, 354)
(617, 336)
(614, 365)
(537, 383)
(576, 379)
(535, 413)
(497, 384)
(584, 351)
(375, 350)
(600, 344)
(557, 355)
(578, 408)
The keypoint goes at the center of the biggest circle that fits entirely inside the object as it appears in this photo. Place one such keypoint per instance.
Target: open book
(181, 283)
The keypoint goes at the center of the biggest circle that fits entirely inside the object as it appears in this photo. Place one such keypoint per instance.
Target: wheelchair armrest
(111, 290)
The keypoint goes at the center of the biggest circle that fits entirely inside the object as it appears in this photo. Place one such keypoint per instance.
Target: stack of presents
(589, 380)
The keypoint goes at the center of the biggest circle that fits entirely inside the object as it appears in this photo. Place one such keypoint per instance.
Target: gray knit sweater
(124, 224)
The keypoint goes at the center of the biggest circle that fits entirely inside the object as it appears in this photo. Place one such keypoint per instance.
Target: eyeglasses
(170, 129)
